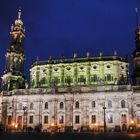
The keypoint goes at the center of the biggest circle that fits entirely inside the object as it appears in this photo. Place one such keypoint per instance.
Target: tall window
(43, 81)
(55, 81)
(19, 121)
(77, 119)
(61, 119)
(46, 119)
(109, 104)
(9, 120)
(123, 104)
(77, 104)
(61, 105)
(110, 118)
(138, 119)
(68, 80)
(93, 104)
(94, 78)
(108, 77)
(93, 119)
(82, 79)
(124, 120)
(46, 105)
(31, 106)
(31, 119)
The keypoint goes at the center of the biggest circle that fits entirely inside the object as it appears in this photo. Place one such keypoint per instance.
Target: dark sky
(55, 27)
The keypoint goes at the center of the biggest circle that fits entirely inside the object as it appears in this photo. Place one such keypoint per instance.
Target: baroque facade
(92, 92)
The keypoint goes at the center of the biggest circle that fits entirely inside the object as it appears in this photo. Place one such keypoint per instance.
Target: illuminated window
(93, 104)
(109, 104)
(77, 119)
(124, 120)
(61, 119)
(77, 105)
(138, 119)
(123, 104)
(61, 105)
(110, 118)
(46, 119)
(31, 119)
(19, 121)
(93, 119)
(46, 105)
(31, 106)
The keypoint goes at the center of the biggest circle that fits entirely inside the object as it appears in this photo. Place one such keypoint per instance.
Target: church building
(76, 94)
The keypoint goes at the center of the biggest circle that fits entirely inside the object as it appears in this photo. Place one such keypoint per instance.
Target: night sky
(56, 27)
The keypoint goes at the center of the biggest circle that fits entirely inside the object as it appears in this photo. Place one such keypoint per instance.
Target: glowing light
(132, 122)
(95, 124)
(13, 124)
(52, 124)
(16, 125)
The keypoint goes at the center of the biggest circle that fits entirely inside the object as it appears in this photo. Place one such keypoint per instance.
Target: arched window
(82, 79)
(94, 78)
(93, 119)
(68, 80)
(31, 105)
(123, 104)
(93, 104)
(108, 77)
(77, 104)
(46, 105)
(110, 118)
(61, 105)
(109, 104)
(43, 81)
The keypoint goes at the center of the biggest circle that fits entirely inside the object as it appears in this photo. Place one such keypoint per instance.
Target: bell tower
(136, 55)
(13, 77)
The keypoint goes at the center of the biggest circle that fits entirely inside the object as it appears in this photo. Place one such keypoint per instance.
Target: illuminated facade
(76, 94)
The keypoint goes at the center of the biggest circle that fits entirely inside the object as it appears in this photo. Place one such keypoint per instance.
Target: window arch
(123, 104)
(109, 104)
(93, 104)
(31, 105)
(46, 105)
(61, 105)
(77, 104)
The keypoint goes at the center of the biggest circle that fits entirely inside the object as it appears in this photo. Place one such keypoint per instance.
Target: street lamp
(104, 108)
(24, 117)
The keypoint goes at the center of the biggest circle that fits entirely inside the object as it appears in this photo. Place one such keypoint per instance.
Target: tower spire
(137, 18)
(19, 13)
(14, 72)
